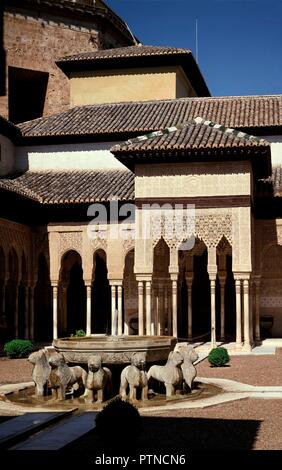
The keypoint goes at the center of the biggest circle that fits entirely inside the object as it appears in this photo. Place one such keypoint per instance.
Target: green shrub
(78, 334)
(218, 357)
(119, 422)
(18, 348)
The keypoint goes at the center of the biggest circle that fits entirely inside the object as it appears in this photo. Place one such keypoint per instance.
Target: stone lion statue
(170, 374)
(188, 369)
(41, 371)
(134, 376)
(62, 376)
(99, 380)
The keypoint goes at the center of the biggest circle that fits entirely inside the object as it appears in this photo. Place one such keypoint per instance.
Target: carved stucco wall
(182, 180)
(115, 240)
(18, 237)
(210, 226)
(268, 265)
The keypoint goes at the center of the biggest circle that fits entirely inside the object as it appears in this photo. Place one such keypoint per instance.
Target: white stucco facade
(67, 157)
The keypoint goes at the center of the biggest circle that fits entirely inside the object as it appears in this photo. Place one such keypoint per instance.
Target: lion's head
(94, 363)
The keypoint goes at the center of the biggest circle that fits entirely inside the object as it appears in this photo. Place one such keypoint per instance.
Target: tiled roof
(121, 52)
(137, 56)
(139, 117)
(271, 186)
(71, 187)
(197, 134)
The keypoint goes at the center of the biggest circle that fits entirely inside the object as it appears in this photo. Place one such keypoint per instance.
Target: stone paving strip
(21, 427)
(231, 391)
(61, 434)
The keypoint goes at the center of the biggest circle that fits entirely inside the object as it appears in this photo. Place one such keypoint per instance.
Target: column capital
(144, 277)
(241, 275)
(116, 282)
(174, 276)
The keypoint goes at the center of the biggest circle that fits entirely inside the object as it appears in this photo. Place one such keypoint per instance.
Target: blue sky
(239, 41)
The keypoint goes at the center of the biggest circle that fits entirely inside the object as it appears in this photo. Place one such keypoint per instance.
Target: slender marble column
(113, 292)
(140, 308)
(148, 307)
(257, 323)
(238, 312)
(55, 311)
(213, 314)
(246, 291)
(88, 309)
(174, 308)
(119, 289)
(189, 281)
(222, 281)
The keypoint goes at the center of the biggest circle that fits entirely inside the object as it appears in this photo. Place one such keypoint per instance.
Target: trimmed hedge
(218, 357)
(18, 348)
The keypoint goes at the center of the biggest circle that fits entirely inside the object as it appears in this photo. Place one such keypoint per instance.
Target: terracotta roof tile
(197, 134)
(140, 117)
(121, 52)
(66, 187)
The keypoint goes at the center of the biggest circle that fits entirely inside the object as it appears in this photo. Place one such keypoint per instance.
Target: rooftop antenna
(197, 50)
(136, 43)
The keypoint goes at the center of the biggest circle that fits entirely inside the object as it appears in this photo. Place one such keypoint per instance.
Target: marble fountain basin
(115, 349)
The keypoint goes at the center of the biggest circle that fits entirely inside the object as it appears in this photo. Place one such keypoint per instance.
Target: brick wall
(35, 43)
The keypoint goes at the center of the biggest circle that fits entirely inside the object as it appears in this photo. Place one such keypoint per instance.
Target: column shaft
(257, 326)
(140, 308)
(246, 313)
(238, 312)
(222, 309)
(148, 307)
(213, 315)
(189, 308)
(114, 317)
(55, 311)
(174, 309)
(88, 310)
(119, 289)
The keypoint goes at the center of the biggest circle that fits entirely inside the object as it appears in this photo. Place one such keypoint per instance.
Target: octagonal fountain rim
(115, 349)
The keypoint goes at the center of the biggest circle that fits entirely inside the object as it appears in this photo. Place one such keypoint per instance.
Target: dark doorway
(27, 93)
(42, 303)
(101, 296)
(201, 299)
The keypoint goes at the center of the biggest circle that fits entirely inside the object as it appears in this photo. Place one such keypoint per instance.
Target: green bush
(78, 334)
(18, 348)
(218, 357)
(119, 422)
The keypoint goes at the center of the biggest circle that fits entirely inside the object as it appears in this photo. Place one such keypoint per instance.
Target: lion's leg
(90, 395)
(100, 396)
(169, 390)
(123, 387)
(62, 392)
(55, 393)
(132, 393)
(144, 395)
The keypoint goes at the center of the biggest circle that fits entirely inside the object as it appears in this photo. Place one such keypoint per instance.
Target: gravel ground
(14, 370)
(252, 370)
